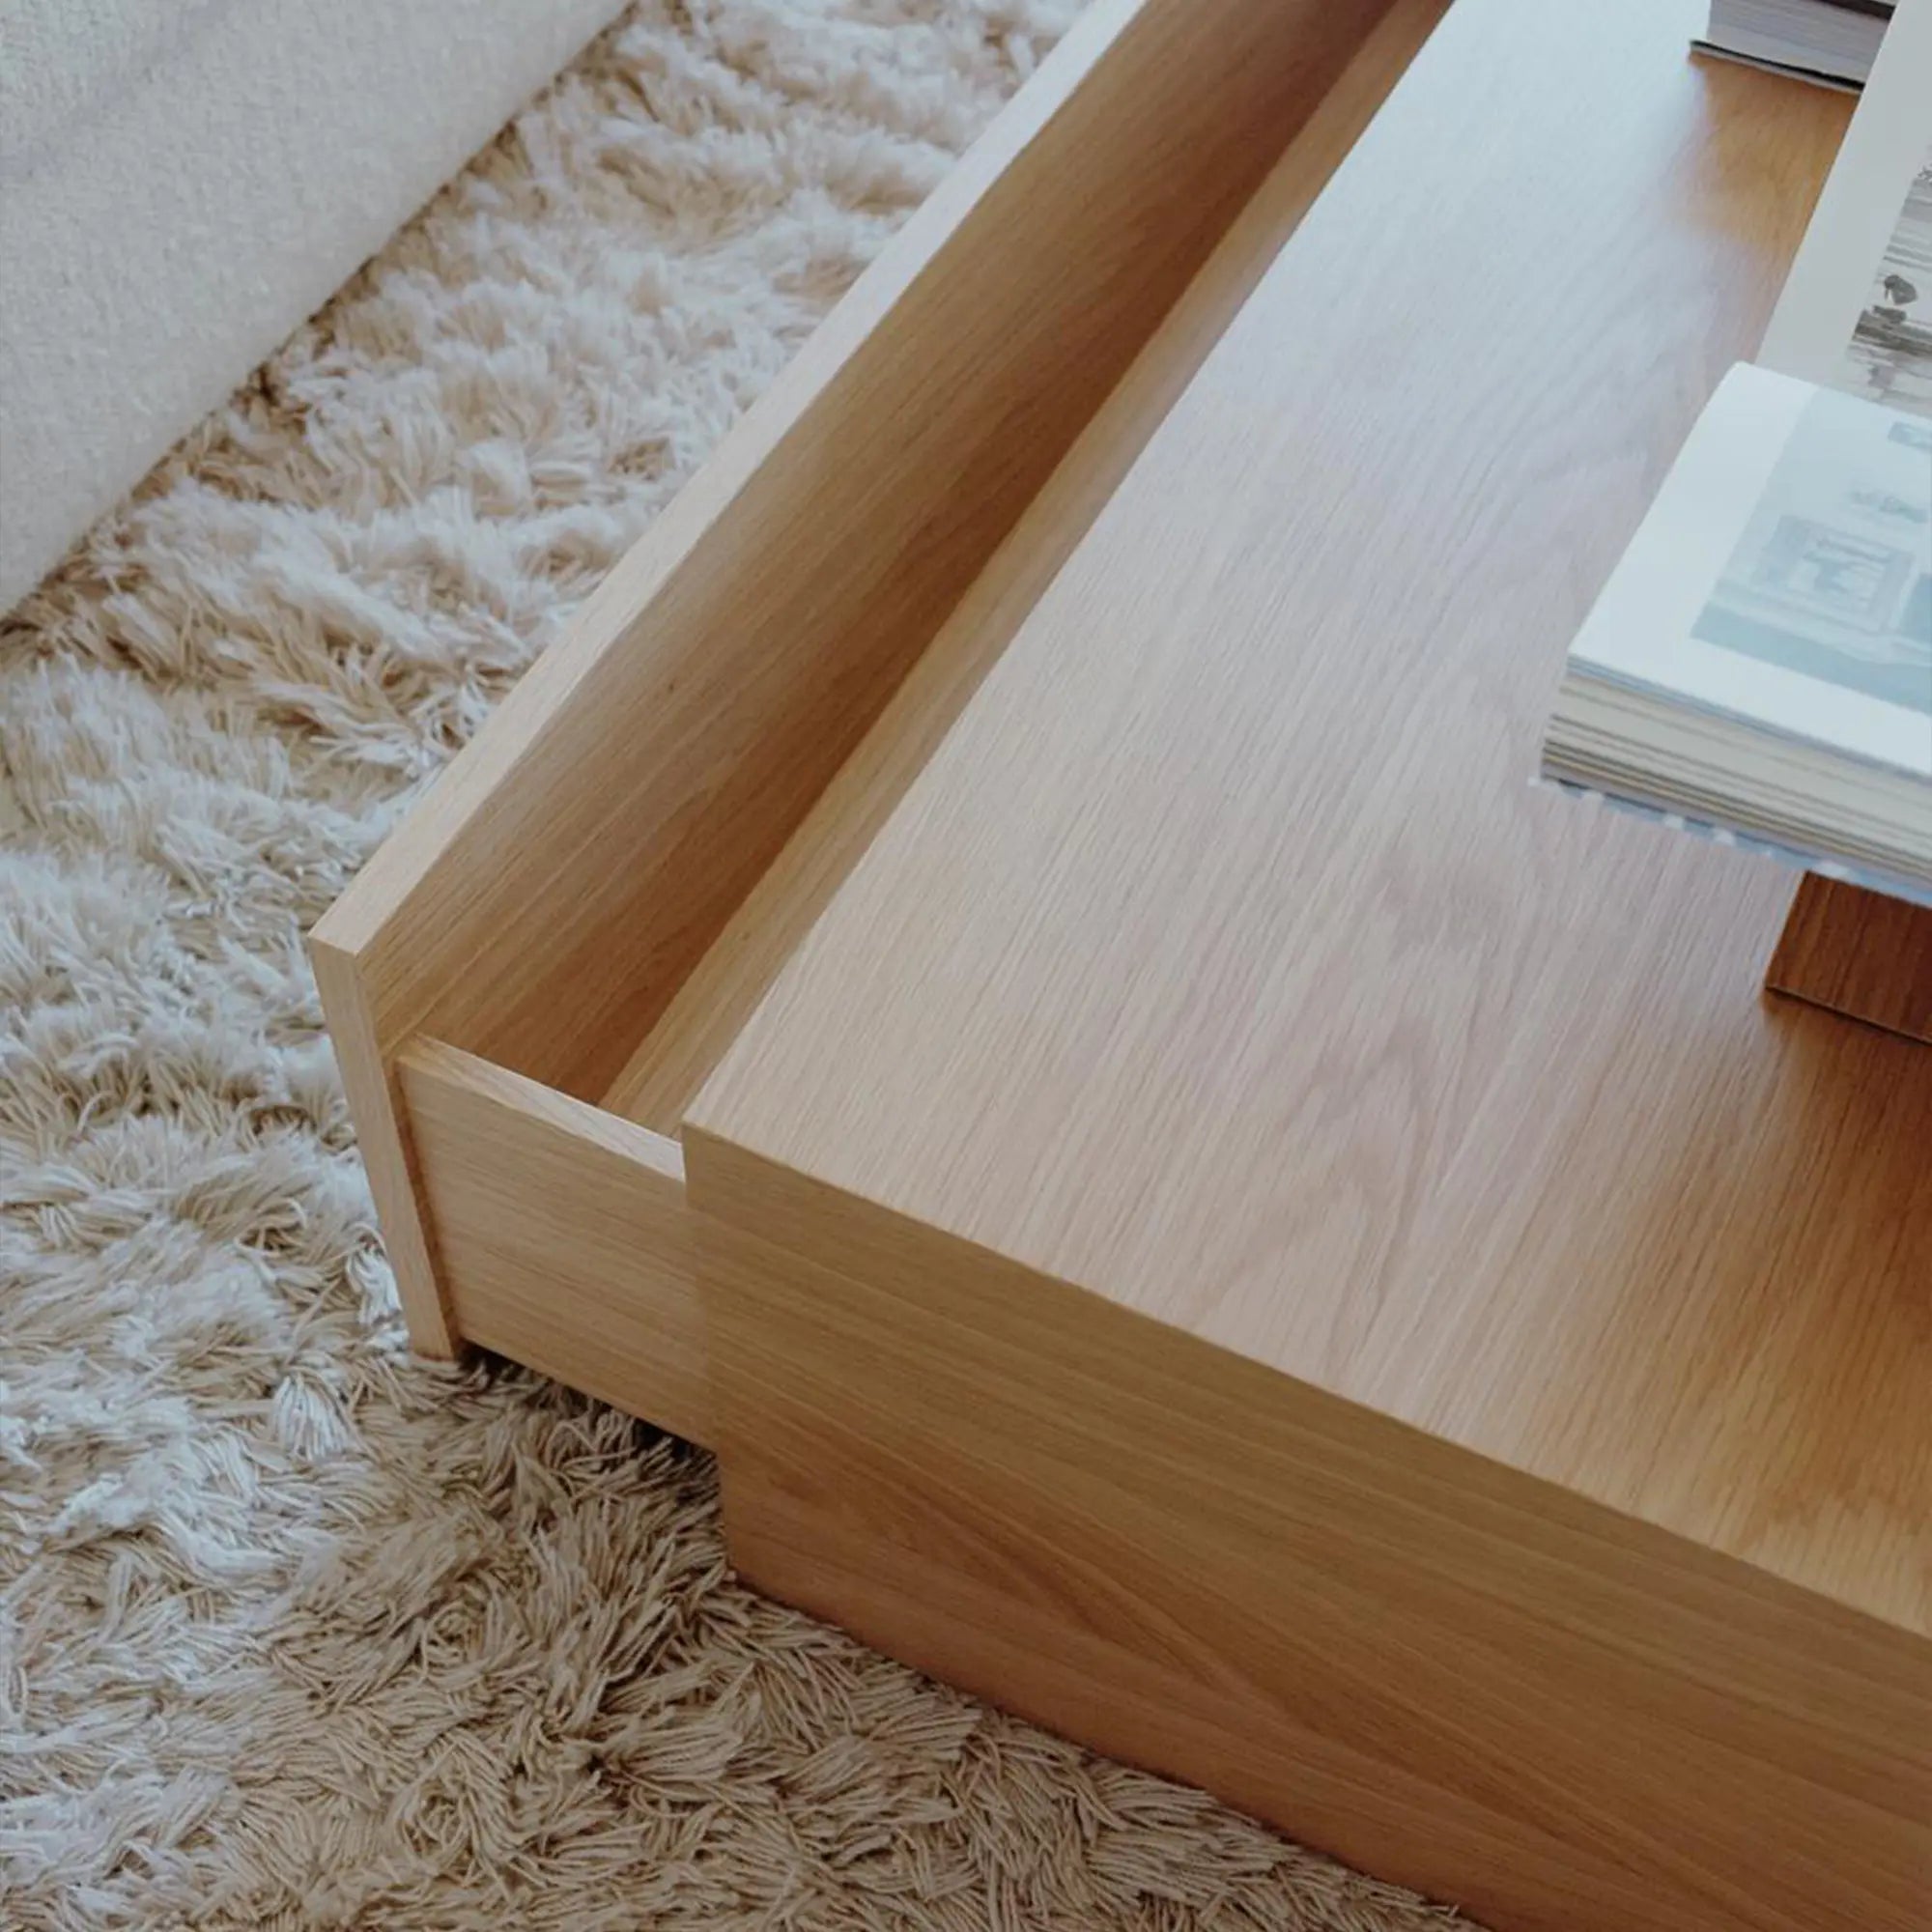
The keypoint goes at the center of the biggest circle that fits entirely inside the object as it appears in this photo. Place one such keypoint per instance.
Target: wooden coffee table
(1011, 978)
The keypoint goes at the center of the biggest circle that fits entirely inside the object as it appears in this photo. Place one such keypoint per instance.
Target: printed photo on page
(1889, 356)
(1783, 577)
(1857, 311)
(1832, 576)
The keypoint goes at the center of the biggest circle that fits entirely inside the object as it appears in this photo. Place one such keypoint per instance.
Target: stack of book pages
(1759, 667)
(1831, 41)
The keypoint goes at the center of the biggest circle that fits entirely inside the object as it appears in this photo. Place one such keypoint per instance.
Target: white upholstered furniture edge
(181, 184)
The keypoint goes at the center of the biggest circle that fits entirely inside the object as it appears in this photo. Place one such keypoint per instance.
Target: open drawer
(532, 978)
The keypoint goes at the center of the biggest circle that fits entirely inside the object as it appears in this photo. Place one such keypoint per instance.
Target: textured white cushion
(182, 183)
(59, 59)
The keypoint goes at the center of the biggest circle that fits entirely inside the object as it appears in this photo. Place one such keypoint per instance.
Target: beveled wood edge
(372, 1082)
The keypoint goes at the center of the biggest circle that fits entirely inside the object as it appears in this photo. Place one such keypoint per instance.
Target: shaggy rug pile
(296, 1631)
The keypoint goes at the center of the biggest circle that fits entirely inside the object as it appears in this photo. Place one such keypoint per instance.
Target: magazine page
(1856, 312)
(1784, 573)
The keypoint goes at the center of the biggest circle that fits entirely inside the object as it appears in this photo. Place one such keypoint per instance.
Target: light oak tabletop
(1224, 960)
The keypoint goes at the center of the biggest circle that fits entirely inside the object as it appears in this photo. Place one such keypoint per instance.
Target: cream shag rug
(295, 1631)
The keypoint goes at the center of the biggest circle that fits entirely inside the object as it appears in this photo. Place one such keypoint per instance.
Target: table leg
(1858, 952)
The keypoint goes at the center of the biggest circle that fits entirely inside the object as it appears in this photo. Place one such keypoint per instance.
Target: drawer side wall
(563, 1235)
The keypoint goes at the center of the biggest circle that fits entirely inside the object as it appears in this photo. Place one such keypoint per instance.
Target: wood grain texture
(564, 1234)
(544, 904)
(1223, 961)
(1859, 954)
(1449, 1673)
(680, 1051)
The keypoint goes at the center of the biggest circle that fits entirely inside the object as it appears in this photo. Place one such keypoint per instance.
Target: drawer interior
(558, 947)
(675, 1052)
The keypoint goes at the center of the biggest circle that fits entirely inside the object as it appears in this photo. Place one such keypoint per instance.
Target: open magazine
(1759, 667)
